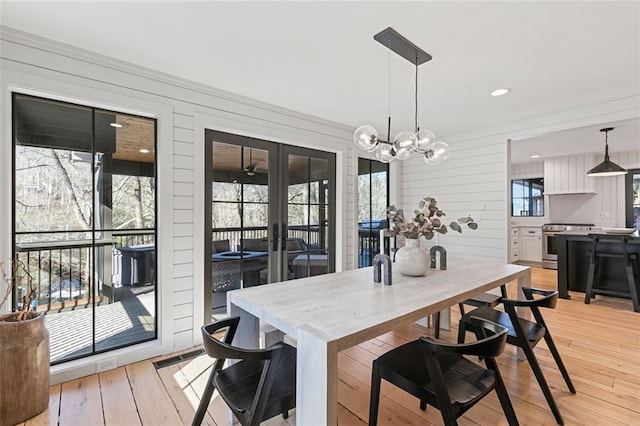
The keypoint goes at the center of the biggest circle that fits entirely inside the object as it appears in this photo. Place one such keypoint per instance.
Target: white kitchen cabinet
(530, 244)
(568, 175)
(514, 245)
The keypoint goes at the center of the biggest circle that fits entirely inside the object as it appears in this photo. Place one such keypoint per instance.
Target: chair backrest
(220, 246)
(549, 300)
(221, 349)
(255, 244)
(296, 245)
(491, 341)
(490, 345)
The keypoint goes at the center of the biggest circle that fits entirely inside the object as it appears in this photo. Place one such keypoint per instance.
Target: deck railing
(310, 234)
(64, 273)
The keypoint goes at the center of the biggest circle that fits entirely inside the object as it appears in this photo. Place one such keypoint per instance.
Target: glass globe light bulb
(404, 144)
(366, 138)
(425, 138)
(386, 153)
(437, 152)
(427, 160)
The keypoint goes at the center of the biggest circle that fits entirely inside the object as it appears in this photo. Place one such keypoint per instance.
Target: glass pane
(85, 199)
(517, 188)
(126, 274)
(228, 174)
(256, 216)
(372, 208)
(225, 215)
(298, 214)
(53, 192)
(226, 191)
(298, 193)
(256, 193)
(298, 179)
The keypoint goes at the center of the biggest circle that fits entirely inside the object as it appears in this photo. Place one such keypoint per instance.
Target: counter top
(634, 236)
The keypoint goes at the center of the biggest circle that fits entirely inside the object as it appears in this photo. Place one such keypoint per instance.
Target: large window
(373, 199)
(632, 195)
(527, 197)
(84, 209)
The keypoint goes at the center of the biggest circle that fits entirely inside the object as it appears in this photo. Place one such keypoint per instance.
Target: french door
(271, 214)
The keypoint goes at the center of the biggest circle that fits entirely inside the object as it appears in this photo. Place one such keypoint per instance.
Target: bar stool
(630, 264)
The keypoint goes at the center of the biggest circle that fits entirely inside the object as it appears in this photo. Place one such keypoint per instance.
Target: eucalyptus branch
(426, 222)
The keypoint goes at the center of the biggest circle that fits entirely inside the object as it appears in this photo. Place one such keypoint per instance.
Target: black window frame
(528, 199)
(367, 231)
(630, 218)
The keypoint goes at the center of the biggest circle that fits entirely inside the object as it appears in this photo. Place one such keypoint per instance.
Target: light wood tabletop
(329, 313)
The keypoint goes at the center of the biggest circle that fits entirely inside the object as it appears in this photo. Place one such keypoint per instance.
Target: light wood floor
(600, 344)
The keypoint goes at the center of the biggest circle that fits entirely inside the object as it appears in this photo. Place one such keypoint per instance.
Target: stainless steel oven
(549, 241)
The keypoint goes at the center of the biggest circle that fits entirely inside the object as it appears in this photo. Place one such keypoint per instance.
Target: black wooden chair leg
(505, 402)
(590, 278)
(423, 405)
(375, 395)
(285, 415)
(436, 325)
(556, 356)
(537, 371)
(633, 288)
(204, 402)
(461, 331)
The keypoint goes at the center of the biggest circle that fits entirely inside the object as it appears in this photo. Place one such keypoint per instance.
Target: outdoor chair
(525, 334)
(221, 246)
(260, 385)
(438, 374)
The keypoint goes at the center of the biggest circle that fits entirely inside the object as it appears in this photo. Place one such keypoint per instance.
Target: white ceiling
(320, 57)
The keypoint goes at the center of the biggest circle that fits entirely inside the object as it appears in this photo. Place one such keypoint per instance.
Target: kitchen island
(574, 250)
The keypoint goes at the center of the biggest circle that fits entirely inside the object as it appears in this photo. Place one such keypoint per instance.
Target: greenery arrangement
(426, 221)
(19, 281)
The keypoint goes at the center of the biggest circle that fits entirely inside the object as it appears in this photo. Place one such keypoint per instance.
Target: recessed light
(144, 151)
(116, 125)
(500, 92)
(535, 156)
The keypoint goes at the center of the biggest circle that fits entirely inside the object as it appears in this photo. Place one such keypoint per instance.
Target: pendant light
(420, 141)
(606, 168)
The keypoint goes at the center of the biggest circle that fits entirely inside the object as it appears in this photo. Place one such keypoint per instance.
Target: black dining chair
(260, 385)
(483, 299)
(525, 334)
(438, 374)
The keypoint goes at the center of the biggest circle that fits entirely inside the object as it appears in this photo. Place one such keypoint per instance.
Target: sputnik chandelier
(422, 141)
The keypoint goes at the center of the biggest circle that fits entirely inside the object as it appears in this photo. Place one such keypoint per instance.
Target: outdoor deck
(128, 320)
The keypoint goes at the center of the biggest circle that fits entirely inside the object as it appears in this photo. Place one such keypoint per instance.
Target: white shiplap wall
(475, 179)
(528, 170)
(472, 181)
(183, 109)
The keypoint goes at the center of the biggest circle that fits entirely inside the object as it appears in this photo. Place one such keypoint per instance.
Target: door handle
(284, 237)
(275, 235)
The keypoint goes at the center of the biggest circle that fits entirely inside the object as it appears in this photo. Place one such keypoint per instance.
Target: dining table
(326, 314)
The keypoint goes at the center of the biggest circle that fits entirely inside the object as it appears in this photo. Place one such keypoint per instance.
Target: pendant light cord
(389, 91)
(416, 109)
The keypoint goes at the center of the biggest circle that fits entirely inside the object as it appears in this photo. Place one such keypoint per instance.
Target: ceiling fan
(251, 168)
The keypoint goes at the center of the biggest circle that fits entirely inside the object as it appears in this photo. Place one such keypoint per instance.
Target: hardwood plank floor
(599, 343)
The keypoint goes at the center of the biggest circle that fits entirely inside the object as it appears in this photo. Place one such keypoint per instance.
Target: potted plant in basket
(24, 350)
(411, 259)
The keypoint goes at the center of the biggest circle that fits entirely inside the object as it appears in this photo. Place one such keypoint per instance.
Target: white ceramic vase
(412, 260)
